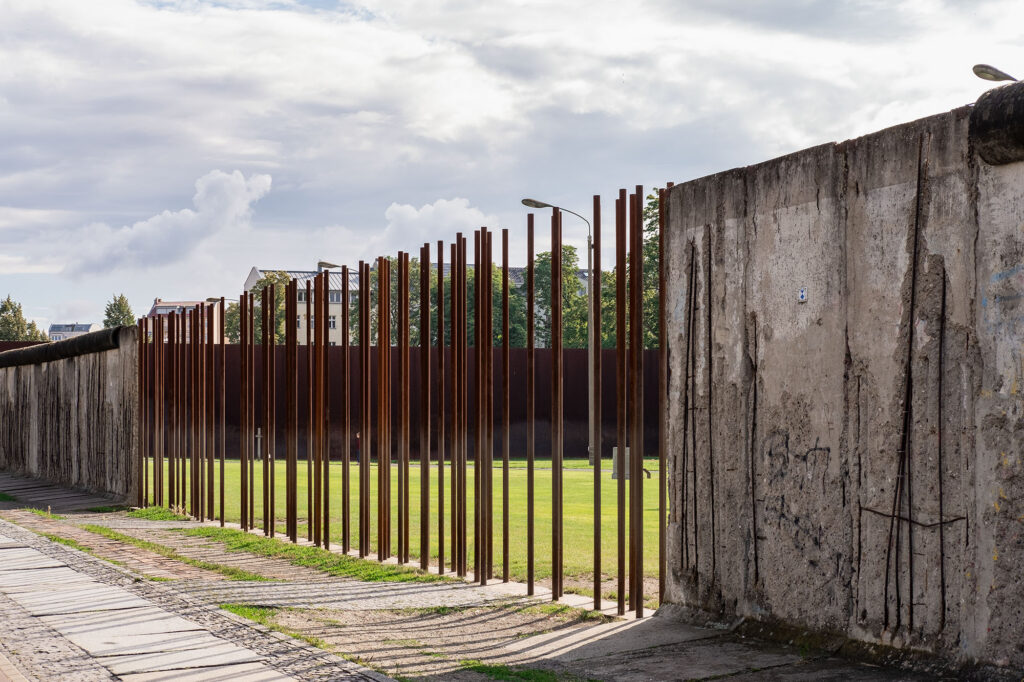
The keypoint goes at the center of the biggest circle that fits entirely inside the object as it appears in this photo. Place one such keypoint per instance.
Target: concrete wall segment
(862, 439)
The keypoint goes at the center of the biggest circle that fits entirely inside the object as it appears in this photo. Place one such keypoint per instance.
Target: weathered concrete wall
(73, 421)
(853, 463)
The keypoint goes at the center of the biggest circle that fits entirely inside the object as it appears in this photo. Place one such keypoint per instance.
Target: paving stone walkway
(66, 615)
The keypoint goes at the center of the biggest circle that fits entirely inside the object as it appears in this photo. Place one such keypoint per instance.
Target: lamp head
(991, 73)
(533, 203)
(325, 265)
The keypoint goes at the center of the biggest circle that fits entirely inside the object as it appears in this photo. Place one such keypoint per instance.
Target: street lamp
(591, 343)
(991, 73)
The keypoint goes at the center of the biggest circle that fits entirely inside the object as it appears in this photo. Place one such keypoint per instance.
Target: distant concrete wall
(72, 420)
(854, 463)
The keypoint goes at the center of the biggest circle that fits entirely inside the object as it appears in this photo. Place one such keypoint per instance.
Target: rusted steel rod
(505, 414)
(325, 406)
(364, 409)
(440, 407)
(195, 496)
(158, 410)
(291, 389)
(183, 425)
(478, 441)
(636, 591)
(530, 426)
(316, 323)
(223, 404)
(272, 408)
(488, 394)
(383, 540)
(346, 418)
(172, 410)
(453, 287)
(403, 407)
(243, 412)
(309, 410)
(201, 406)
(595, 435)
(620, 394)
(556, 404)
(463, 388)
(424, 442)
(140, 448)
(251, 407)
(211, 411)
(265, 329)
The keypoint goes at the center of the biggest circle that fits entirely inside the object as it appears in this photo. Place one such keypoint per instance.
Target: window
(302, 295)
(332, 322)
(298, 321)
(334, 296)
(332, 343)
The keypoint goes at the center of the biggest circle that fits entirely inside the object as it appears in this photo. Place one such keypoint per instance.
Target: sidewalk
(65, 615)
(70, 615)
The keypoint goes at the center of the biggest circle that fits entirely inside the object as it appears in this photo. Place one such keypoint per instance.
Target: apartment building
(335, 309)
(161, 308)
(62, 332)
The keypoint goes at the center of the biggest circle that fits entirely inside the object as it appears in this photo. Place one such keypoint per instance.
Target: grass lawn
(577, 512)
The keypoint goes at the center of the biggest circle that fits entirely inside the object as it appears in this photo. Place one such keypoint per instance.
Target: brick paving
(133, 558)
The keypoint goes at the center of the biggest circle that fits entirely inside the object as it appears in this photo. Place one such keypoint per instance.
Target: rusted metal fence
(183, 388)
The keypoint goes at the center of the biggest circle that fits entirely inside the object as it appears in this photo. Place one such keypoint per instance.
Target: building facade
(162, 308)
(62, 332)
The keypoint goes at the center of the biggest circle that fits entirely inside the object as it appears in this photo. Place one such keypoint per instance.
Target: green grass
(578, 512)
(227, 571)
(312, 557)
(156, 514)
(507, 674)
(45, 514)
(264, 615)
(564, 612)
(258, 614)
(67, 542)
(4, 497)
(70, 542)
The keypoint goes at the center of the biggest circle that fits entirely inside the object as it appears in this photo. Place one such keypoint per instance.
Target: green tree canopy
(14, 326)
(574, 300)
(118, 312)
(232, 322)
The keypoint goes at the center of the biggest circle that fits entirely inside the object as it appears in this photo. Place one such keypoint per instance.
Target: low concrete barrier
(68, 411)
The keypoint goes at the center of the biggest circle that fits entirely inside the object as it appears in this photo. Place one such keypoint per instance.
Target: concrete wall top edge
(700, 195)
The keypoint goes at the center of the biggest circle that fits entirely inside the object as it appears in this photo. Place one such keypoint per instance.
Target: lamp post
(991, 73)
(591, 342)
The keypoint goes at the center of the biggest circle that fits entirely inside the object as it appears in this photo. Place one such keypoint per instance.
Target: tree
(517, 308)
(574, 300)
(118, 312)
(232, 323)
(14, 326)
(649, 283)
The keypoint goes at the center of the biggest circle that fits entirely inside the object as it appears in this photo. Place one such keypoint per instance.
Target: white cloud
(366, 112)
(223, 202)
(409, 227)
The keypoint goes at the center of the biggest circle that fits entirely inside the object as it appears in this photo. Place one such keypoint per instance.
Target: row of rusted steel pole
(182, 373)
(182, 410)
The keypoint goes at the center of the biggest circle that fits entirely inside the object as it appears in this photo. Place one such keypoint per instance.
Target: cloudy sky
(163, 147)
